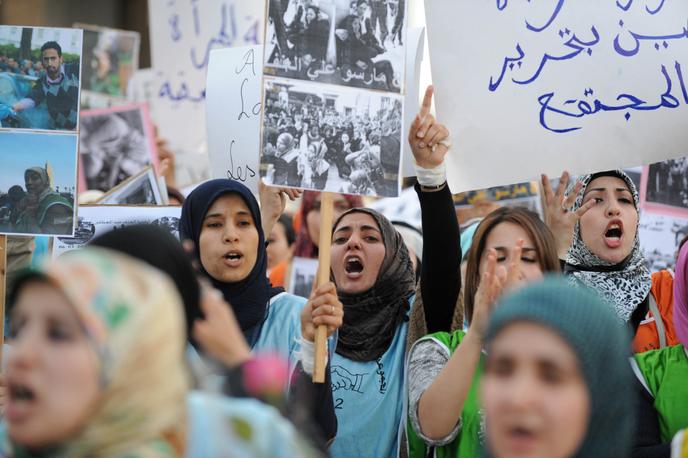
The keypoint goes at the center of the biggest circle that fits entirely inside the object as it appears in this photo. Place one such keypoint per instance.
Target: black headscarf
(371, 318)
(249, 297)
(156, 246)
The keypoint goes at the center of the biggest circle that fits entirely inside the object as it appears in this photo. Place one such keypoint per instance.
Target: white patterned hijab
(623, 285)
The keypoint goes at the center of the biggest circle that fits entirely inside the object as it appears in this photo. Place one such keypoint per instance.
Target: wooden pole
(324, 245)
(3, 276)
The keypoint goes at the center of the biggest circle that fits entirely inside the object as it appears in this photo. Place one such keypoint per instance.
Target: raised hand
(557, 209)
(273, 201)
(427, 138)
(491, 285)
(513, 276)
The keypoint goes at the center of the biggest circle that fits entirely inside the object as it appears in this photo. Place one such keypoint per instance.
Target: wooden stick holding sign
(3, 276)
(325, 242)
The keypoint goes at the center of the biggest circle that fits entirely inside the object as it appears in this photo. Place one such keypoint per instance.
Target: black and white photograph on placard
(331, 139)
(140, 189)
(667, 184)
(303, 273)
(660, 235)
(358, 43)
(95, 220)
(115, 143)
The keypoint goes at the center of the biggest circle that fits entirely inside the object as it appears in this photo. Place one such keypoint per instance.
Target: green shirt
(665, 374)
(467, 443)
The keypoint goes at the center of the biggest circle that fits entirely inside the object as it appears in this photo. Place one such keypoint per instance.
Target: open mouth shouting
(353, 266)
(613, 235)
(521, 439)
(233, 258)
(21, 401)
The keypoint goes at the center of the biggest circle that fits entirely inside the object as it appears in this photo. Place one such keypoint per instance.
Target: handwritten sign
(183, 33)
(233, 113)
(529, 87)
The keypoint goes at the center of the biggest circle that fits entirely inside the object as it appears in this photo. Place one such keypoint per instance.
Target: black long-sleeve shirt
(440, 278)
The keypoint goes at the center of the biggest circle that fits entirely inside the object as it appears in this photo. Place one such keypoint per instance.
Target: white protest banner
(95, 220)
(182, 35)
(530, 87)
(233, 113)
(415, 38)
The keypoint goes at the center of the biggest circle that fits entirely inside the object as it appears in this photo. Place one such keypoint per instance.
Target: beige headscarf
(133, 314)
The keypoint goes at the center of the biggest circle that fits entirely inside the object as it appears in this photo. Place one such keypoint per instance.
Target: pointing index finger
(427, 102)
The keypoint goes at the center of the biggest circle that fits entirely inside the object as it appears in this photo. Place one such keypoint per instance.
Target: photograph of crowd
(115, 144)
(667, 184)
(39, 77)
(96, 220)
(110, 59)
(346, 141)
(659, 239)
(37, 183)
(357, 43)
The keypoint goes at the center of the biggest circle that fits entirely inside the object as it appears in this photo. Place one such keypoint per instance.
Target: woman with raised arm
(375, 280)
(511, 246)
(596, 229)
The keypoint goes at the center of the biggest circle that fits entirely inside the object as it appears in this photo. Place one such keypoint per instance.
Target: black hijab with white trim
(624, 285)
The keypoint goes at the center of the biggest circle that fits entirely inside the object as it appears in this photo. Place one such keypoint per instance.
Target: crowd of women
(556, 341)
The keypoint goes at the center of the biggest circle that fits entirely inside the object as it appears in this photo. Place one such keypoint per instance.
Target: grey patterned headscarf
(623, 285)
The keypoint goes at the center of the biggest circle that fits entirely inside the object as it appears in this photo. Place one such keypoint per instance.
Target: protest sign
(3, 285)
(329, 138)
(139, 189)
(302, 276)
(111, 57)
(30, 57)
(664, 187)
(115, 143)
(233, 109)
(182, 36)
(414, 58)
(37, 183)
(338, 42)
(526, 195)
(531, 87)
(659, 236)
(95, 220)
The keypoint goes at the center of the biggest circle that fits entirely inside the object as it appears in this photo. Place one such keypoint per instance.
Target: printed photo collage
(333, 86)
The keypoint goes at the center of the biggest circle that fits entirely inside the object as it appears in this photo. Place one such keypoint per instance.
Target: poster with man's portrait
(356, 43)
(111, 57)
(115, 144)
(40, 76)
(37, 183)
